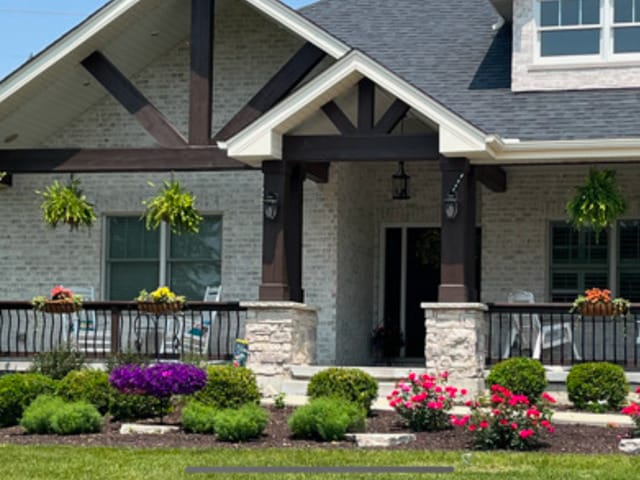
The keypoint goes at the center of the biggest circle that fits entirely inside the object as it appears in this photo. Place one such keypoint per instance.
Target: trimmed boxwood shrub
(229, 387)
(91, 386)
(17, 391)
(242, 424)
(77, 417)
(125, 406)
(326, 418)
(350, 384)
(524, 376)
(597, 386)
(37, 416)
(198, 418)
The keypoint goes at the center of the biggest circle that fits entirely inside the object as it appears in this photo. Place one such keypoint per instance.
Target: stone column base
(280, 334)
(456, 342)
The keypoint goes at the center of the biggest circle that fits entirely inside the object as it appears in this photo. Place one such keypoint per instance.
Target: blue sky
(28, 26)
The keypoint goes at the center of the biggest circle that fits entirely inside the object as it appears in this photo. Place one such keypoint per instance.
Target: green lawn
(39, 462)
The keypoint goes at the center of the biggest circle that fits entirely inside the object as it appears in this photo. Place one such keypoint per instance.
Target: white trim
(65, 46)
(298, 24)
(262, 139)
(514, 152)
(164, 241)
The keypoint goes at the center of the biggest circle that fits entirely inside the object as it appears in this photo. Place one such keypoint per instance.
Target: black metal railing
(556, 337)
(103, 329)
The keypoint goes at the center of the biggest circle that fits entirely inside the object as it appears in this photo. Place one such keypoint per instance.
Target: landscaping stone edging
(630, 446)
(134, 428)
(369, 440)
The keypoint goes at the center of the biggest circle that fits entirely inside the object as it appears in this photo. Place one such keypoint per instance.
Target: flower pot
(60, 306)
(159, 308)
(598, 309)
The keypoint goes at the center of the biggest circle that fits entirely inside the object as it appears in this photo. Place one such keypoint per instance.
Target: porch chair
(197, 329)
(84, 328)
(547, 336)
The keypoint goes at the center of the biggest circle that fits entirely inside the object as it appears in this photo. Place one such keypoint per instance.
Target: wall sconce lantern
(450, 201)
(5, 180)
(270, 202)
(400, 183)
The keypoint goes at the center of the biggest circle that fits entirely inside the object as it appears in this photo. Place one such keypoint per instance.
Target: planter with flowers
(162, 300)
(598, 302)
(62, 300)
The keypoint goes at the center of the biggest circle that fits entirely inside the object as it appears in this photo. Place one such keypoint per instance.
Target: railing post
(115, 330)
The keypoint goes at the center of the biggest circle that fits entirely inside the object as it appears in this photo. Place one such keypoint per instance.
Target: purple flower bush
(161, 380)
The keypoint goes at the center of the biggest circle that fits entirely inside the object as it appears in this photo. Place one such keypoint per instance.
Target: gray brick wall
(567, 77)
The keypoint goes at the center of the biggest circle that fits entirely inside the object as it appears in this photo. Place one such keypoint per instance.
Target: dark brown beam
(114, 81)
(366, 105)
(282, 235)
(117, 160)
(278, 87)
(392, 117)
(317, 172)
(494, 178)
(202, 28)
(336, 148)
(458, 235)
(338, 118)
(6, 180)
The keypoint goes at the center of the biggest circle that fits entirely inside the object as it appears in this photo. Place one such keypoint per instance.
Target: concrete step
(388, 374)
(297, 387)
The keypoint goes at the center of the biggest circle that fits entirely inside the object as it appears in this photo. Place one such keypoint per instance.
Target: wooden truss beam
(201, 85)
(492, 177)
(278, 87)
(392, 117)
(114, 81)
(366, 105)
(117, 160)
(338, 118)
(317, 172)
(337, 148)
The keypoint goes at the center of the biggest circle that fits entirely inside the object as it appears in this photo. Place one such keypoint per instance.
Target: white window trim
(606, 26)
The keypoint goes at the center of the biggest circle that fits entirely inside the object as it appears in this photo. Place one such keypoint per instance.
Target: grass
(58, 462)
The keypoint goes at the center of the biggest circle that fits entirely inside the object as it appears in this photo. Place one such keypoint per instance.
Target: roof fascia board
(461, 137)
(513, 152)
(300, 25)
(64, 47)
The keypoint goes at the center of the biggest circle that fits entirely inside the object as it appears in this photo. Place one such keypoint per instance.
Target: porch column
(457, 277)
(282, 234)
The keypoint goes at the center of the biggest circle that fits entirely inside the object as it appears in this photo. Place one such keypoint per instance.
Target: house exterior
(499, 107)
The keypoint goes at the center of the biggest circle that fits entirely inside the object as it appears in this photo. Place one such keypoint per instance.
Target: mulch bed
(566, 439)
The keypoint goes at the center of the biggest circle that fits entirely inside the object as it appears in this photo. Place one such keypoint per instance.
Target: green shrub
(123, 406)
(198, 418)
(91, 386)
(327, 419)
(597, 386)
(58, 362)
(350, 384)
(77, 417)
(242, 424)
(17, 391)
(37, 416)
(126, 358)
(522, 376)
(229, 387)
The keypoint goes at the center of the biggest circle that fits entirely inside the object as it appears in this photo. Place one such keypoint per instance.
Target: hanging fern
(598, 203)
(66, 204)
(174, 206)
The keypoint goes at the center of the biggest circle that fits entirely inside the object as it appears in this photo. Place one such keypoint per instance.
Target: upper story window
(587, 30)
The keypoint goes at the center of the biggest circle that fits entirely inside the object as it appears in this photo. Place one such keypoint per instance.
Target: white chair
(84, 325)
(197, 330)
(547, 336)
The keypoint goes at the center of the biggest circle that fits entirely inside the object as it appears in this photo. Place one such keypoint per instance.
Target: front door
(412, 276)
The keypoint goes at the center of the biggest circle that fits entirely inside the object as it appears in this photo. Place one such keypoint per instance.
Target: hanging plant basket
(172, 205)
(159, 308)
(598, 203)
(66, 204)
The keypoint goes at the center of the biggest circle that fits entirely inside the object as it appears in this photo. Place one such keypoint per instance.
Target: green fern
(598, 203)
(66, 204)
(174, 206)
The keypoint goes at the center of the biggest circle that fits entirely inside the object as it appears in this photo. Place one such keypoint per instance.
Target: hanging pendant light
(400, 184)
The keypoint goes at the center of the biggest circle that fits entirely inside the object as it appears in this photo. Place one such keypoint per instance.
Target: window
(629, 259)
(588, 30)
(138, 258)
(569, 27)
(577, 261)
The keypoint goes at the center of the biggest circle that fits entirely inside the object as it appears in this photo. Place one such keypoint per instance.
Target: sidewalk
(581, 418)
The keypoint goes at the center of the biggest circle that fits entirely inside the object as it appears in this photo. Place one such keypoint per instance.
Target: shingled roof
(449, 50)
